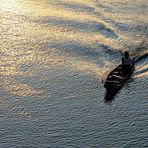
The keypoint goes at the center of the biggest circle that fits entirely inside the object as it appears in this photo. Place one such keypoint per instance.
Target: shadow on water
(74, 48)
(111, 93)
(73, 6)
(91, 26)
(141, 58)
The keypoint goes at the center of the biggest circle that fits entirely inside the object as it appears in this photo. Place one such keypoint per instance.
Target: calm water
(54, 56)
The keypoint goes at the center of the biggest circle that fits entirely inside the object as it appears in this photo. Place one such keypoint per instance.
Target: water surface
(54, 58)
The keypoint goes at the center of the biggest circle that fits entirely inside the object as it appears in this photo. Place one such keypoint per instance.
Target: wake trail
(138, 59)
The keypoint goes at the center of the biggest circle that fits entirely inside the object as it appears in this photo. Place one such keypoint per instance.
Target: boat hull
(118, 76)
(116, 80)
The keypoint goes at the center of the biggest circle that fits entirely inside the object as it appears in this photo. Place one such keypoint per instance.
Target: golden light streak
(9, 5)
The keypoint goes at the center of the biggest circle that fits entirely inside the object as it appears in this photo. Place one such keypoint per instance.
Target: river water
(54, 58)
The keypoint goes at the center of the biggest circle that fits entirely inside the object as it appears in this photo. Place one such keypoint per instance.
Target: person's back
(127, 61)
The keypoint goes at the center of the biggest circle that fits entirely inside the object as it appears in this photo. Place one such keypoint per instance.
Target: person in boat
(127, 62)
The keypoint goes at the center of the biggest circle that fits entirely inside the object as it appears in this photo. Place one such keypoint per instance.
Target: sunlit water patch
(54, 58)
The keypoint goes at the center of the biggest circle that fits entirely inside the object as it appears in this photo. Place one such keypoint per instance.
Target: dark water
(54, 58)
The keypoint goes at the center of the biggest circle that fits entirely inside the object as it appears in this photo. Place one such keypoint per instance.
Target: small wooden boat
(118, 76)
(116, 80)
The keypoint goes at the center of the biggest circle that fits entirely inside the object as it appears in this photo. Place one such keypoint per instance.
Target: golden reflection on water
(38, 8)
(10, 6)
(20, 89)
(139, 71)
(23, 38)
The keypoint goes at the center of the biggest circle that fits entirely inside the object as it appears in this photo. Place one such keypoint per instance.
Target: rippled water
(54, 56)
